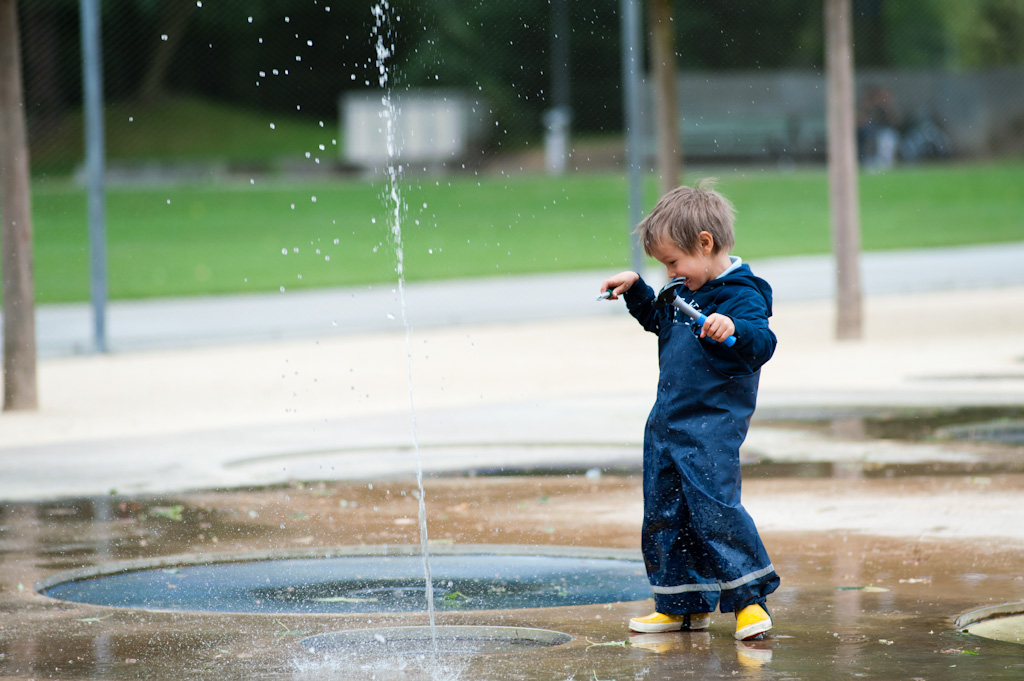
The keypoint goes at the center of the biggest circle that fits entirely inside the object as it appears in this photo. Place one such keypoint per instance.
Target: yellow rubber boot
(658, 622)
(752, 621)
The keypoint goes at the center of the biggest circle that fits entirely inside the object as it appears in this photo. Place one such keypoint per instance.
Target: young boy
(700, 545)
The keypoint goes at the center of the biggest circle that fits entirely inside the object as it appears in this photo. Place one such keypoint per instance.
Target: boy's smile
(697, 268)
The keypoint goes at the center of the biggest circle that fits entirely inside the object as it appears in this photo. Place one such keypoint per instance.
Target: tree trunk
(666, 109)
(842, 167)
(175, 15)
(15, 204)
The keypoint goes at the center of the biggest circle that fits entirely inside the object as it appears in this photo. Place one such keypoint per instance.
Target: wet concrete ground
(878, 551)
(851, 605)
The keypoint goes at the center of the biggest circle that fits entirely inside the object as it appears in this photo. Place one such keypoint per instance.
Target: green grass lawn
(194, 240)
(182, 129)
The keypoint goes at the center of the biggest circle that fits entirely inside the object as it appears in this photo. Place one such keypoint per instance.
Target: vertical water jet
(383, 34)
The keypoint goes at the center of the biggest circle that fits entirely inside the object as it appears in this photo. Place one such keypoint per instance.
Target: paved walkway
(506, 372)
(193, 322)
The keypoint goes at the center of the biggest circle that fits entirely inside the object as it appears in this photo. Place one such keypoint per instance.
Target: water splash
(383, 33)
(373, 667)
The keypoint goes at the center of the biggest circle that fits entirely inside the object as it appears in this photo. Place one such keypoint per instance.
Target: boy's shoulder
(740, 281)
(737, 286)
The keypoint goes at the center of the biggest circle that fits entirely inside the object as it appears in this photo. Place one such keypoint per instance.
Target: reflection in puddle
(372, 580)
(999, 424)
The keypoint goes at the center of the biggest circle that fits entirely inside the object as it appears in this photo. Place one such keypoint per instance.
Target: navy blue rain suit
(699, 544)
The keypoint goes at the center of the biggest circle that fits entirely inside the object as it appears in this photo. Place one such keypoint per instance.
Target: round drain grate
(998, 622)
(445, 640)
(372, 580)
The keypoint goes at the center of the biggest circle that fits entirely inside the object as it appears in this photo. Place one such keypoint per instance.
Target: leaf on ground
(169, 512)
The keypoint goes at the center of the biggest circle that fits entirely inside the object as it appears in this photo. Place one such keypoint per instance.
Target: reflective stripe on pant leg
(721, 586)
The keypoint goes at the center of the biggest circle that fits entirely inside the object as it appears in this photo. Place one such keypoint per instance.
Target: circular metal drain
(445, 640)
(999, 622)
(362, 580)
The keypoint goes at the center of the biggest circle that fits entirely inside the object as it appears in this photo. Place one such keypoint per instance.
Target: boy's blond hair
(683, 213)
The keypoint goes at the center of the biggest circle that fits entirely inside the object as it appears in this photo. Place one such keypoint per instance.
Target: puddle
(369, 580)
(850, 606)
(871, 470)
(450, 640)
(1000, 424)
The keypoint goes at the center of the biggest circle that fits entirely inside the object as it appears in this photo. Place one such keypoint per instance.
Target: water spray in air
(383, 33)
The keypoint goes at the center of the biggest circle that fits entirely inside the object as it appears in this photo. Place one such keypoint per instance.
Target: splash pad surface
(361, 580)
(450, 640)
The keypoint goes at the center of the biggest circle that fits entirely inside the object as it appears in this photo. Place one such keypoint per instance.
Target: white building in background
(432, 128)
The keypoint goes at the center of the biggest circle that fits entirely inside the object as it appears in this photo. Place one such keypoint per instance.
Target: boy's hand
(717, 327)
(619, 283)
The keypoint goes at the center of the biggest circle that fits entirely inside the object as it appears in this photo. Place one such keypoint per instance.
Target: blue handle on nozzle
(701, 318)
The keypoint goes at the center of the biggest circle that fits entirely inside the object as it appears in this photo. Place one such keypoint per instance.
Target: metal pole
(92, 80)
(558, 119)
(632, 52)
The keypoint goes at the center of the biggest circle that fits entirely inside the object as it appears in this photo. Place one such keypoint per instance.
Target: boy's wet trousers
(700, 545)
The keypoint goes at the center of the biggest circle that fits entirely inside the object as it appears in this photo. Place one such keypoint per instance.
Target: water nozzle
(668, 296)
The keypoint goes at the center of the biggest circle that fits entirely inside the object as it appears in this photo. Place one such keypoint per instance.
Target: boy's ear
(706, 243)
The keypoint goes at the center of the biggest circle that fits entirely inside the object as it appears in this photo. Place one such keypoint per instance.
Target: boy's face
(697, 268)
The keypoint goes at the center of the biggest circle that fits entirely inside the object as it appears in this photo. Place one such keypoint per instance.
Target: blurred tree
(50, 55)
(19, 346)
(908, 34)
(749, 35)
(991, 35)
(299, 57)
(173, 23)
